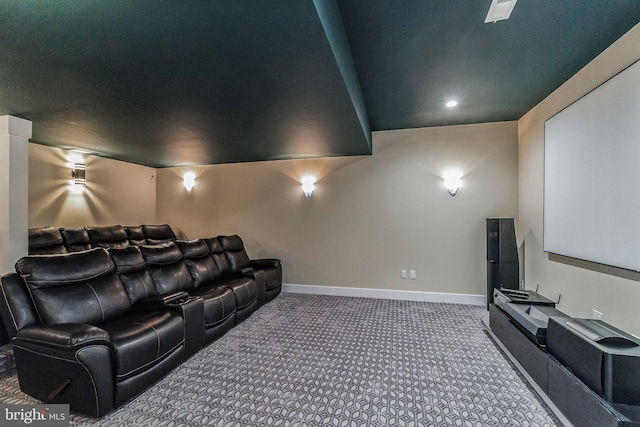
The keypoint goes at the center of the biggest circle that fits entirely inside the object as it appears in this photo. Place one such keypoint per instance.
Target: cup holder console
(185, 300)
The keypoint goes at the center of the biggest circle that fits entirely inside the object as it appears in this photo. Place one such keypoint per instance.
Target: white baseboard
(386, 294)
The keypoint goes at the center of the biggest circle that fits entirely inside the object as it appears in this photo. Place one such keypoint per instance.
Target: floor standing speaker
(502, 256)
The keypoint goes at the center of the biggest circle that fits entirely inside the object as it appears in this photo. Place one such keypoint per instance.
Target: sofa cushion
(234, 251)
(155, 234)
(245, 291)
(219, 304)
(167, 268)
(217, 254)
(132, 269)
(76, 239)
(110, 236)
(80, 287)
(202, 267)
(142, 339)
(135, 235)
(45, 240)
(193, 249)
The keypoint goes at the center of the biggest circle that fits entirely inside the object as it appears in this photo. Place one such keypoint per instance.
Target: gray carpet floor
(305, 360)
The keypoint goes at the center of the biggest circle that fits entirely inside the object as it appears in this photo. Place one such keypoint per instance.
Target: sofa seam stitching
(98, 299)
(4, 295)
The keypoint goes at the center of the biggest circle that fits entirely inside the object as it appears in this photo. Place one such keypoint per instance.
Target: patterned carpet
(305, 360)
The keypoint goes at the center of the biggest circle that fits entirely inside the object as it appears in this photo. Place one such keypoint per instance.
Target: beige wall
(369, 217)
(116, 192)
(581, 289)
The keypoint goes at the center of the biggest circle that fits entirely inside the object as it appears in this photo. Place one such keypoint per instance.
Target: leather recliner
(95, 328)
(132, 269)
(77, 338)
(170, 274)
(237, 259)
(207, 275)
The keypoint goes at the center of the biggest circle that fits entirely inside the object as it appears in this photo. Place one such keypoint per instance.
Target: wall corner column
(14, 190)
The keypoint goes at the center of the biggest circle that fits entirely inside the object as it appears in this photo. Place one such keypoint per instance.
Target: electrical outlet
(403, 274)
(595, 314)
(412, 274)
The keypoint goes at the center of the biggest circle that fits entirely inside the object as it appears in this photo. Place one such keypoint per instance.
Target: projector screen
(592, 175)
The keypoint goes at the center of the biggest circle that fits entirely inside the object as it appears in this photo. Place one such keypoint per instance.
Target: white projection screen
(592, 175)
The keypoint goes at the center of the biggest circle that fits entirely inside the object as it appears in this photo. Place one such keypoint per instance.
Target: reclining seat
(238, 259)
(46, 240)
(156, 234)
(77, 339)
(109, 236)
(207, 277)
(170, 275)
(132, 270)
(76, 239)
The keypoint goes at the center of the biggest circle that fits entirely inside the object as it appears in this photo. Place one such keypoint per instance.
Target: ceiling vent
(499, 10)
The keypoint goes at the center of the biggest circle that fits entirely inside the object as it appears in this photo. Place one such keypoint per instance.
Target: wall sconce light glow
(75, 156)
(78, 178)
(453, 181)
(308, 185)
(451, 103)
(189, 180)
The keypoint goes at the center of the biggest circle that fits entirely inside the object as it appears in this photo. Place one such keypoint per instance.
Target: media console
(591, 379)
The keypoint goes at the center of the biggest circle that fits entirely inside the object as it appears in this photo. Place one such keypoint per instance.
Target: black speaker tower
(502, 256)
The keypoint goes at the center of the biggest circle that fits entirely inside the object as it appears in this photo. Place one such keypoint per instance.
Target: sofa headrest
(127, 260)
(161, 254)
(132, 270)
(79, 287)
(231, 243)
(158, 233)
(45, 240)
(193, 249)
(108, 236)
(135, 235)
(48, 271)
(75, 239)
(214, 245)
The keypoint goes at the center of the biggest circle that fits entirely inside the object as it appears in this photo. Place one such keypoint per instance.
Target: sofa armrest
(65, 336)
(236, 274)
(161, 300)
(265, 263)
(67, 363)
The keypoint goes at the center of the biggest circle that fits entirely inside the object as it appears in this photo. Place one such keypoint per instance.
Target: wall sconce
(308, 186)
(79, 174)
(453, 181)
(189, 180)
(78, 177)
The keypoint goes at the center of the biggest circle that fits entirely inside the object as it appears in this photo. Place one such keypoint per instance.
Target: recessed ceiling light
(452, 103)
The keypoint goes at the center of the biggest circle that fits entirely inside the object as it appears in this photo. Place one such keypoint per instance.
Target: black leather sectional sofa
(94, 328)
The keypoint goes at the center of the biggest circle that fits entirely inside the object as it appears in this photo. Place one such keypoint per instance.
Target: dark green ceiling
(413, 56)
(167, 83)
